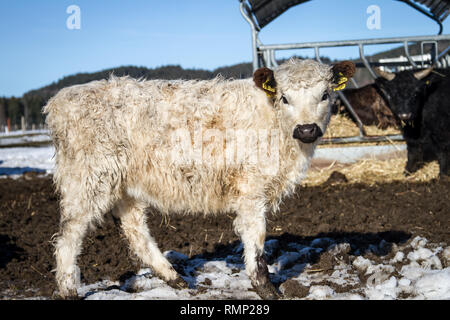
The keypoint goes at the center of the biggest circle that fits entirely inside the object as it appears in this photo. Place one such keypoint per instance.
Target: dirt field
(355, 213)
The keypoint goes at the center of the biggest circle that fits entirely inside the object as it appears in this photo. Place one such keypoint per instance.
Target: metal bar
(316, 51)
(360, 139)
(432, 54)
(442, 59)
(386, 64)
(246, 14)
(273, 61)
(422, 52)
(348, 105)
(266, 58)
(344, 43)
(408, 56)
(354, 83)
(365, 62)
(443, 53)
(259, 54)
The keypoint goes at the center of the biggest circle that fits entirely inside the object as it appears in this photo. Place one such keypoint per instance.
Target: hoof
(178, 283)
(407, 173)
(68, 295)
(261, 282)
(267, 291)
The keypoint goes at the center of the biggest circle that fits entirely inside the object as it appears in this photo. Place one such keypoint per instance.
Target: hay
(341, 126)
(371, 172)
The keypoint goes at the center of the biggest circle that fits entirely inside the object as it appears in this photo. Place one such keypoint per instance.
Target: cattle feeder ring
(259, 13)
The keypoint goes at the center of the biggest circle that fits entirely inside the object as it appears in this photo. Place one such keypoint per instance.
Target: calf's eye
(283, 98)
(325, 96)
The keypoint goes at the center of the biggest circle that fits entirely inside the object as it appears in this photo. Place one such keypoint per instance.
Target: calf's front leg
(250, 226)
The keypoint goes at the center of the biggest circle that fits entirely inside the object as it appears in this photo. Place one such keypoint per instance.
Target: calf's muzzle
(307, 133)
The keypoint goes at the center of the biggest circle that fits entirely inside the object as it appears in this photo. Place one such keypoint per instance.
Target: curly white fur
(114, 144)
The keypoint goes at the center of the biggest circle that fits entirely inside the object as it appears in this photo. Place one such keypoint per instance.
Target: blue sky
(37, 48)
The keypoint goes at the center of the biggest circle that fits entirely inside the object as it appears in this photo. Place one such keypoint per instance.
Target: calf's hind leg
(134, 226)
(78, 212)
(87, 193)
(68, 247)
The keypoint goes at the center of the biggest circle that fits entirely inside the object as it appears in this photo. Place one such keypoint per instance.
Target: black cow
(421, 101)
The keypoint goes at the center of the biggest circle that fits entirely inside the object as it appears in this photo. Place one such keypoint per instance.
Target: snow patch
(416, 275)
(16, 161)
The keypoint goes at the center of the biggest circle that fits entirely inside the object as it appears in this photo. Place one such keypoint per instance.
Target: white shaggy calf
(185, 146)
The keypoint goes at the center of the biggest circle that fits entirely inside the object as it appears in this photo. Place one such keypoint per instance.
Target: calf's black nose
(307, 133)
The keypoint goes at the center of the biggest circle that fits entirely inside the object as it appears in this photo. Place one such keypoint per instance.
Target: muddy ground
(354, 213)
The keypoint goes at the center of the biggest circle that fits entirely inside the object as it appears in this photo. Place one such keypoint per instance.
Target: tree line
(30, 104)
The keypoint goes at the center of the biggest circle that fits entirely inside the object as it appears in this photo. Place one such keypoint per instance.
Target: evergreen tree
(2, 112)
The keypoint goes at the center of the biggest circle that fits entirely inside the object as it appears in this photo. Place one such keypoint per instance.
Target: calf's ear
(342, 72)
(265, 80)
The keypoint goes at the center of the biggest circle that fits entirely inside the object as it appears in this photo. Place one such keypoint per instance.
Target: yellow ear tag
(268, 88)
(342, 82)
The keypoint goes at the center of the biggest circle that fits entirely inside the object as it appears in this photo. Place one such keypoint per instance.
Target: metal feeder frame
(264, 55)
